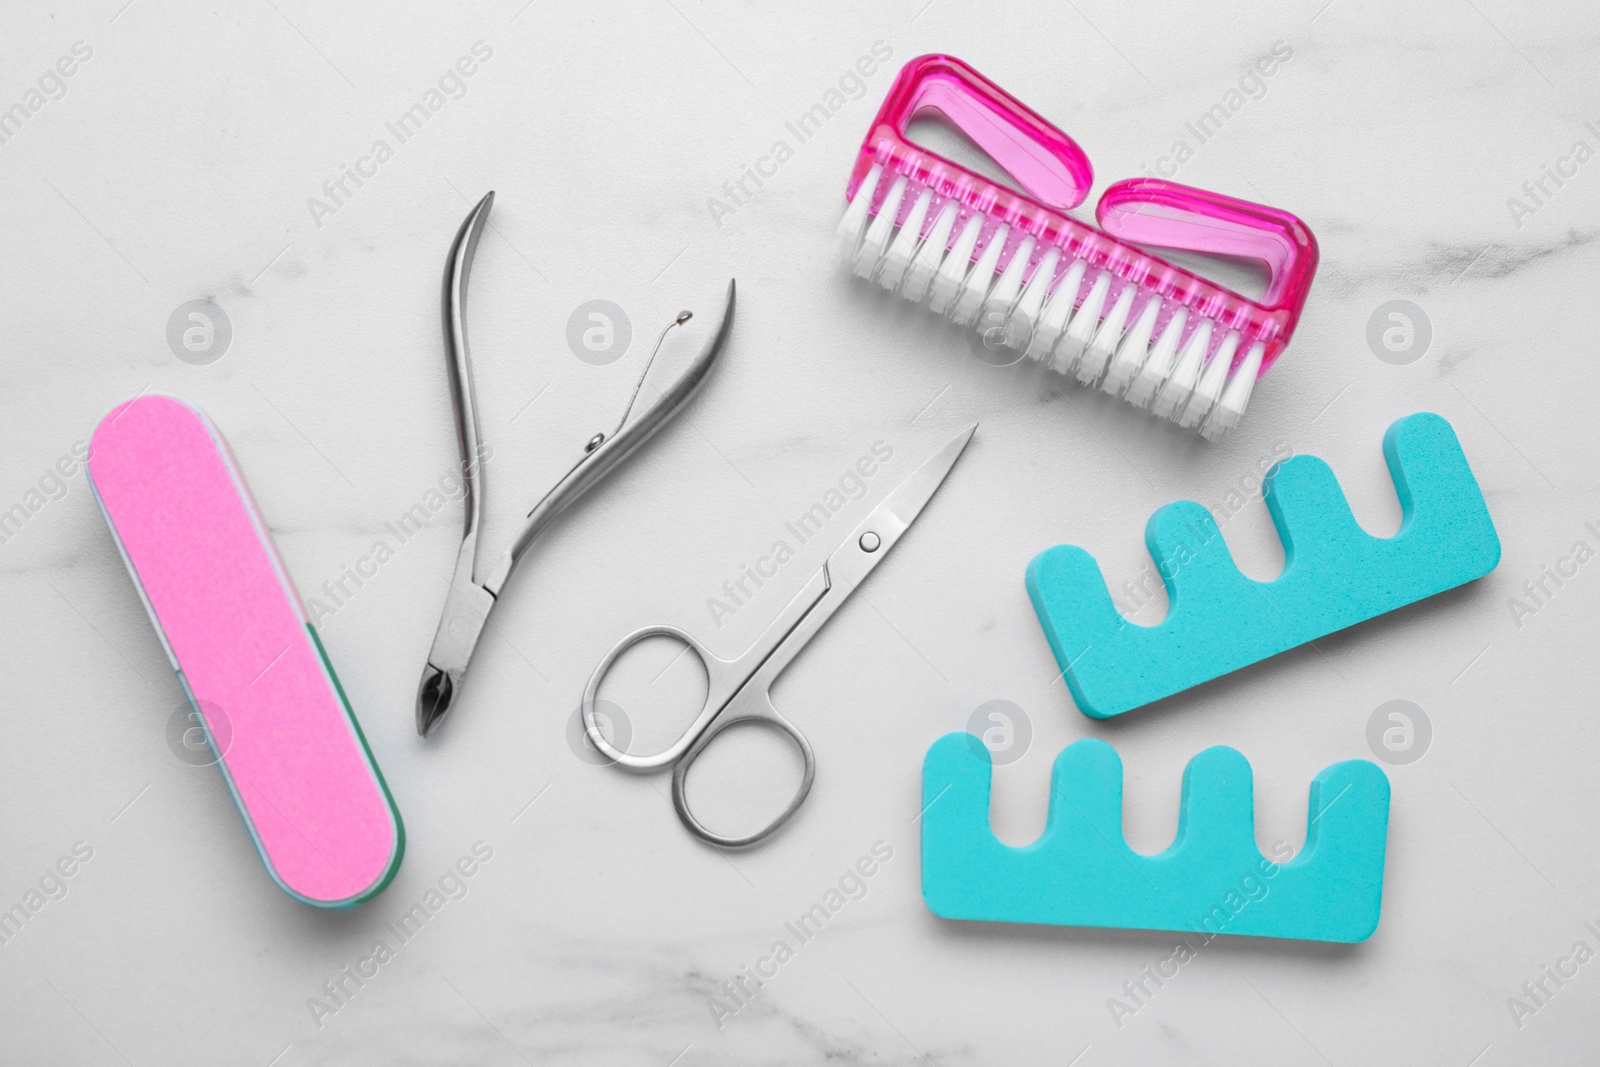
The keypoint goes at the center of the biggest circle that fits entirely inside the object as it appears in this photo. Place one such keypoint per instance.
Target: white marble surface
(177, 166)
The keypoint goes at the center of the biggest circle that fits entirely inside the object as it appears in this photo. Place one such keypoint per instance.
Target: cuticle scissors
(739, 690)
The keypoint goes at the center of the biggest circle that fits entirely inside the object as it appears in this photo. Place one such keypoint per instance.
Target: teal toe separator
(1212, 880)
(1335, 575)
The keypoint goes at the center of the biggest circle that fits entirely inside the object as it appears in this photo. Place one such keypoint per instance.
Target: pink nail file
(311, 795)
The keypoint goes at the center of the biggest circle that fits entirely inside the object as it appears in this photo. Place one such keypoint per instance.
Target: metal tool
(739, 690)
(682, 359)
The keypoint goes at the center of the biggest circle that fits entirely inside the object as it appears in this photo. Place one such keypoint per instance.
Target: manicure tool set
(1085, 300)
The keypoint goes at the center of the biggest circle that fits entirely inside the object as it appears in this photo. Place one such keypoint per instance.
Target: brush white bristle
(1143, 388)
(1212, 379)
(1230, 409)
(876, 242)
(1134, 348)
(997, 306)
(1025, 316)
(1104, 345)
(980, 279)
(1174, 394)
(947, 283)
(900, 253)
(854, 223)
(930, 255)
(1057, 311)
(1085, 322)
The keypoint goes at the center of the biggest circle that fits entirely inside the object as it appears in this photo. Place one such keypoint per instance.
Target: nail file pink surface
(311, 795)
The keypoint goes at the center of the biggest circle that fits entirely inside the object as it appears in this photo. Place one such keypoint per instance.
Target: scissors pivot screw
(870, 541)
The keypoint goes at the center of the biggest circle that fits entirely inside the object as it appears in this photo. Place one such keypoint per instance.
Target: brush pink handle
(299, 769)
(1045, 161)
(1155, 212)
